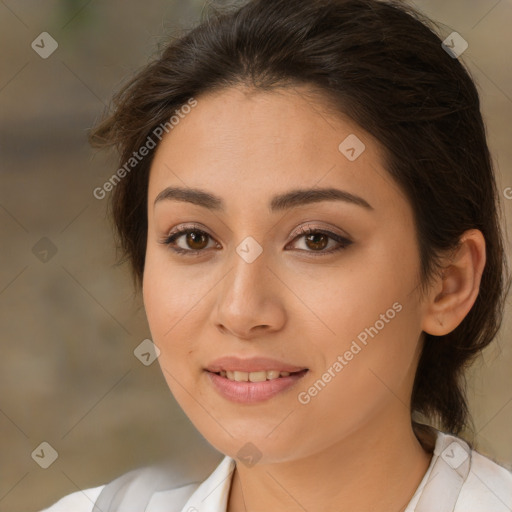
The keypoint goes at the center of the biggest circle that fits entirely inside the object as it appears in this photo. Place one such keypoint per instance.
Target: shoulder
(80, 501)
(488, 487)
(460, 479)
(160, 488)
(87, 500)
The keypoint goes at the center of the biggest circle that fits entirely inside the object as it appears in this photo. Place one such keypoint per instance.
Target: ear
(453, 293)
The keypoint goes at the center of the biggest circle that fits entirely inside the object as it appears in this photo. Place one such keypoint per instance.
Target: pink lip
(253, 392)
(253, 364)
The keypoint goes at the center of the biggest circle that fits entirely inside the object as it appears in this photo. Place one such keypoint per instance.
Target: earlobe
(454, 292)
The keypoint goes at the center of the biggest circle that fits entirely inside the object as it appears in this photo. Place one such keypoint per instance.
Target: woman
(306, 197)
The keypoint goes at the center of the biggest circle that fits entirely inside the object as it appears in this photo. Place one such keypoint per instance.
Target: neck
(371, 469)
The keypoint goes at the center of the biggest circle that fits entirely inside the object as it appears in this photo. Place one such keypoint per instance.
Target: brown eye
(196, 241)
(193, 241)
(316, 240)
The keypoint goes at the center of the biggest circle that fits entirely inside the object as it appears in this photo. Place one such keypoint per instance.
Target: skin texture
(294, 304)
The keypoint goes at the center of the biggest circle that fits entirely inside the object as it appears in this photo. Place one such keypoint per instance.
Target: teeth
(241, 376)
(253, 376)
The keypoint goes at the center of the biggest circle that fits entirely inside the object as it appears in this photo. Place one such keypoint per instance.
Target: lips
(252, 380)
(253, 364)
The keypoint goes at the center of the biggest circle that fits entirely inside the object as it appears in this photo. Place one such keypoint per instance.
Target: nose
(251, 299)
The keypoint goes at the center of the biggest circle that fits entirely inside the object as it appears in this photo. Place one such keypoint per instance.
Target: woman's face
(339, 309)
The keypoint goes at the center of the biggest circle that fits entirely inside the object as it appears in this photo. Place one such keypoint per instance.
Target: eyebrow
(291, 199)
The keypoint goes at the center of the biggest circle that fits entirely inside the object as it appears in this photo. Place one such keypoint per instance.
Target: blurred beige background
(69, 318)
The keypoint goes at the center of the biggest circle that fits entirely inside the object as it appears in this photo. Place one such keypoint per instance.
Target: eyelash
(304, 231)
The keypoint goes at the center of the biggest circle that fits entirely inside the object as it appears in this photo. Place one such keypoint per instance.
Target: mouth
(254, 380)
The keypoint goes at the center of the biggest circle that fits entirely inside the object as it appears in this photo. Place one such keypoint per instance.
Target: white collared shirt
(458, 479)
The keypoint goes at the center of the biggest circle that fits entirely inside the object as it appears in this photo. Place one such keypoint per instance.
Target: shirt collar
(440, 487)
(212, 495)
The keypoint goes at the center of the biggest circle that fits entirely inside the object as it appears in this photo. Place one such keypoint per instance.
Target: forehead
(256, 143)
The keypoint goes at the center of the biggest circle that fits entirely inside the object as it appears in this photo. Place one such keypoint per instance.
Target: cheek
(168, 311)
(359, 379)
(170, 293)
(364, 285)
(171, 302)
(373, 321)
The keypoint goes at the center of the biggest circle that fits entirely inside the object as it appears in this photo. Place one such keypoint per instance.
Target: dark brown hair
(382, 64)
